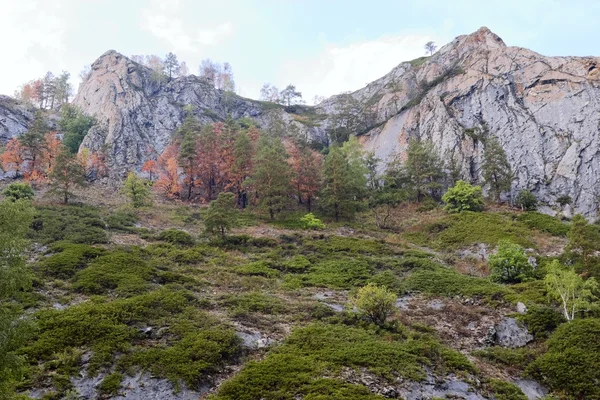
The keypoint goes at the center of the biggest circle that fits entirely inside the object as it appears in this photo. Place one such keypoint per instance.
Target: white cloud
(337, 69)
(161, 19)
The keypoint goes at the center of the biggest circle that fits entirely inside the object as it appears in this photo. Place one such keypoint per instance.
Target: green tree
(188, 151)
(137, 190)
(584, 240)
(18, 191)
(271, 177)
(74, 125)
(290, 95)
(463, 197)
(526, 201)
(510, 264)
(376, 303)
(573, 293)
(221, 215)
(497, 172)
(171, 64)
(345, 181)
(15, 218)
(66, 174)
(33, 140)
(423, 169)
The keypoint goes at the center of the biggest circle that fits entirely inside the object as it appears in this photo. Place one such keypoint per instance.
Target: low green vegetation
(463, 197)
(375, 303)
(18, 191)
(510, 264)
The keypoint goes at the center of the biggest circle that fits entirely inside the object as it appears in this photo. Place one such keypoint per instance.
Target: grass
(417, 62)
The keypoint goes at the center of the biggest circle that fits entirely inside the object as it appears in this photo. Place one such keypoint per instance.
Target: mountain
(15, 118)
(545, 111)
(138, 111)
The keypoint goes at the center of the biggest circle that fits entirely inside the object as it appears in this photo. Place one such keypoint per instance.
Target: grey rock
(436, 304)
(403, 302)
(532, 389)
(144, 387)
(510, 334)
(521, 308)
(15, 118)
(254, 339)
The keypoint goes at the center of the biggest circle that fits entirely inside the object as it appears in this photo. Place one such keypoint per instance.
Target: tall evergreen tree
(271, 176)
(221, 215)
(33, 141)
(171, 64)
(66, 174)
(241, 168)
(496, 169)
(188, 153)
(423, 169)
(137, 189)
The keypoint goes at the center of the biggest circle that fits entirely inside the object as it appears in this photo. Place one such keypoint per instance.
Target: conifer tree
(33, 141)
(221, 215)
(496, 169)
(271, 176)
(188, 153)
(307, 167)
(66, 174)
(241, 168)
(137, 189)
(423, 169)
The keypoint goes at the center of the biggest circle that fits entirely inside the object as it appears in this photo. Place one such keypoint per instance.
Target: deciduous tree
(572, 292)
(13, 157)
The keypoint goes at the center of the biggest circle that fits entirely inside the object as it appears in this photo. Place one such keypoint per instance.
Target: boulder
(509, 333)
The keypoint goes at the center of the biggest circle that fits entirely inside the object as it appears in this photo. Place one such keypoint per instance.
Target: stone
(508, 333)
(532, 389)
(521, 308)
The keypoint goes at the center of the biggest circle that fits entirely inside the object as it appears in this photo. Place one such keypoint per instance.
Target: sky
(324, 47)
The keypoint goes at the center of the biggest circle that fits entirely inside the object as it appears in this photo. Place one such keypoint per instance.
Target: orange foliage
(12, 158)
(151, 168)
(306, 172)
(168, 172)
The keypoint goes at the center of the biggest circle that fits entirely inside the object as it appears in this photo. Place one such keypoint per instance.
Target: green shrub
(544, 223)
(18, 191)
(340, 244)
(341, 274)
(111, 384)
(137, 190)
(463, 197)
(510, 264)
(526, 201)
(254, 302)
(309, 221)
(123, 271)
(564, 200)
(572, 363)
(542, 321)
(374, 302)
(388, 280)
(506, 391)
(298, 264)
(175, 236)
(258, 268)
(68, 259)
(121, 221)
(512, 358)
(76, 224)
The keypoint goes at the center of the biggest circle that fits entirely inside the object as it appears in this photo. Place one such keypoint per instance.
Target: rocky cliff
(138, 111)
(15, 118)
(545, 111)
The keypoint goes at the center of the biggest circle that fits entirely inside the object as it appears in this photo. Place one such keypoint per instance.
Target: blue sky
(324, 47)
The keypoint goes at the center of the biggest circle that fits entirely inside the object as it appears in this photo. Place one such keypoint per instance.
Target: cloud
(337, 69)
(161, 19)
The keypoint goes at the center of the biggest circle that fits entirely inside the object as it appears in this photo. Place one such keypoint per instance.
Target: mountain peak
(483, 36)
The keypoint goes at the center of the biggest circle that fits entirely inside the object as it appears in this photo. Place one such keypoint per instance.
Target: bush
(176, 236)
(564, 200)
(111, 384)
(572, 363)
(526, 201)
(18, 191)
(258, 268)
(68, 259)
(544, 223)
(374, 302)
(506, 391)
(510, 264)
(254, 302)
(221, 215)
(542, 321)
(121, 221)
(463, 197)
(309, 221)
(76, 224)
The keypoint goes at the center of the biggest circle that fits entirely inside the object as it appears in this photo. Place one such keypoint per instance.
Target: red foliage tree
(12, 158)
(168, 176)
(151, 168)
(306, 165)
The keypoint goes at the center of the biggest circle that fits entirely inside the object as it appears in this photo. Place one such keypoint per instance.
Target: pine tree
(221, 215)
(271, 176)
(241, 168)
(34, 143)
(137, 189)
(66, 174)
(306, 167)
(188, 153)
(423, 169)
(496, 169)
(171, 64)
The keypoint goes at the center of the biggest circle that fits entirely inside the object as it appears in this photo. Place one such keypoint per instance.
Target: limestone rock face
(15, 118)
(138, 112)
(545, 111)
(510, 334)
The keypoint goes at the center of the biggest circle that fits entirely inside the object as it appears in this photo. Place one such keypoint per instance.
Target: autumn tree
(168, 176)
(137, 190)
(423, 169)
(33, 142)
(497, 172)
(270, 93)
(150, 167)
(171, 64)
(241, 168)
(183, 70)
(13, 157)
(271, 176)
(53, 147)
(221, 215)
(68, 173)
(306, 166)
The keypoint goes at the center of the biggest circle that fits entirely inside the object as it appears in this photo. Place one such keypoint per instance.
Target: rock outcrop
(138, 111)
(545, 111)
(15, 118)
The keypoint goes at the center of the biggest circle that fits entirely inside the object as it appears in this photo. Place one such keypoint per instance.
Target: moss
(68, 259)
(544, 223)
(76, 224)
(122, 271)
(512, 358)
(177, 237)
(295, 369)
(111, 384)
(571, 366)
(468, 228)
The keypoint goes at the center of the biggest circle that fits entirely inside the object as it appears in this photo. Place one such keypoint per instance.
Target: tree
(183, 69)
(188, 153)
(423, 169)
(85, 73)
(526, 201)
(344, 182)
(376, 303)
(290, 95)
(240, 170)
(270, 93)
(584, 240)
(221, 215)
(496, 169)
(62, 88)
(137, 189)
(150, 167)
(430, 47)
(225, 79)
(74, 125)
(510, 264)
(67, 173)
(33, 142)
(306, 166)
(271, 176)
(15, 217)
(463, 197)
(209, 70)
(570, 290)
(18, 191)
(168, 175)
(171, 64)
(12, 157)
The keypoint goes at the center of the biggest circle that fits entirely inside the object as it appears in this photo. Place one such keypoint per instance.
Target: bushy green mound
(175, 236)
(68, 258)
(296, 368)
(572, 364)
(544, 223)
(76, 224)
